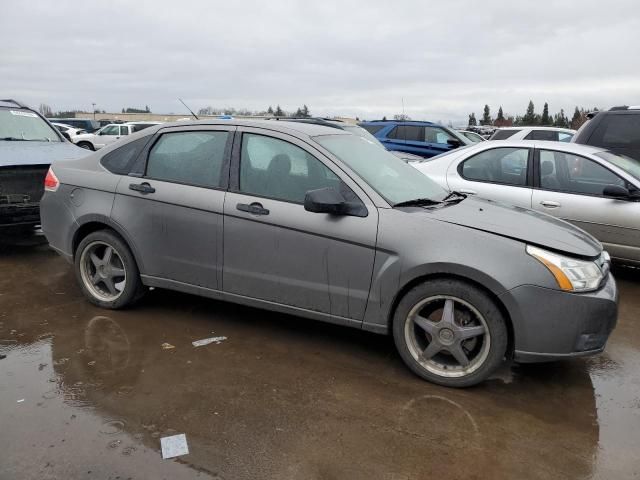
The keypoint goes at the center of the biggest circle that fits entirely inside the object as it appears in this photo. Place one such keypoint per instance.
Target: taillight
(51, 182)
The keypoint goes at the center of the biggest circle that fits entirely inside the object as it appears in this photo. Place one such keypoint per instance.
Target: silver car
(590, 187)
(313, 221)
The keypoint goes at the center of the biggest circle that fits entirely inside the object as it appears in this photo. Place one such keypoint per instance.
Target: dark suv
(419, 138)
(617, 130)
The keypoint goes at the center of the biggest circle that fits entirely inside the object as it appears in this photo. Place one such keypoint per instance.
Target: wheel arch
(94, 223)
(426, 277)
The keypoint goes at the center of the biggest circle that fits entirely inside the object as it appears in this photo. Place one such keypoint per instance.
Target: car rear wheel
(107, 271)
(85, 145)
(450, 333)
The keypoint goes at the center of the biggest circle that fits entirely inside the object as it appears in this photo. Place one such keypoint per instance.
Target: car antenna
(189, 109)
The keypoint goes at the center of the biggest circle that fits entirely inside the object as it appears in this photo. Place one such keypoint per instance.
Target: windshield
(393, 179)
(628, 164)
(25, 125)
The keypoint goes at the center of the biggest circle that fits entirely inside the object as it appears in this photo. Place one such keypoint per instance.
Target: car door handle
(255, 208)
(468, 192)
(143, 187)
(549, 204)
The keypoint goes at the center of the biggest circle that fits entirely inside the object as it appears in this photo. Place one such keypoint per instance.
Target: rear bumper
(554, 325)
(19, 215)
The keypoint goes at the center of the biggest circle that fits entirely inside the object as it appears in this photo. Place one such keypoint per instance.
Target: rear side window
(617, 131)
(373, 129)
(498, 165)
(550, 135)
(121, 159)
(410, 133)
(503, 134)
(194, 158)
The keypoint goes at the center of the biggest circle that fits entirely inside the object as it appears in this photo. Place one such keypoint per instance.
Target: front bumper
(552, 325)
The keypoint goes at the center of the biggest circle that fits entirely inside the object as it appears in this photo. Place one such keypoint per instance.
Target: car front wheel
(450, 333)
(85, 145)
(107, 271)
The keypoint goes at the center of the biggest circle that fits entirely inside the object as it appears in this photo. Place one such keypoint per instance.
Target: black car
(28, 145)
(617, 129)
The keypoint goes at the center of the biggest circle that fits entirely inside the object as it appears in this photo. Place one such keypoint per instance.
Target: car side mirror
(454, 143)
(616, 191)
(325, 200)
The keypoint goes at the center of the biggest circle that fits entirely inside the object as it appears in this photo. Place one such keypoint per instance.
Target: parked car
(552, 134)
(473, 136)
(617, 130)
(591, 187)
(356, 130)
(313, 221)
(84, 123)
(28, 145)
(109, 134)
(68, 131)
(425, 139)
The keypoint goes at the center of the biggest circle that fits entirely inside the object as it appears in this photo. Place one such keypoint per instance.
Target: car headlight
(572, 275)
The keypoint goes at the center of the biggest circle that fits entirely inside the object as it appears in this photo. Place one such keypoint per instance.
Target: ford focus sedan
(316, 222)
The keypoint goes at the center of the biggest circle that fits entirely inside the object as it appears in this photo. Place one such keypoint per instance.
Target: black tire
(490, 348)
(132, 289)
(86, 146)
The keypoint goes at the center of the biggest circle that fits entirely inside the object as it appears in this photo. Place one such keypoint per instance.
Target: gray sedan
(590, 187)
(313, 221)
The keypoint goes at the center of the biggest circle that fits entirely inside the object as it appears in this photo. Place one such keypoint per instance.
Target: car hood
(37, 153)
(518, 223)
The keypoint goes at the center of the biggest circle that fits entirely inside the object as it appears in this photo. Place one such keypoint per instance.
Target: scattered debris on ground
(174, 446)
(167, 346)
(207, 341)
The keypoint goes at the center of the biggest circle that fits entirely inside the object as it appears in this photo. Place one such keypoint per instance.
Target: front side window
(498, 165)
(194, 158)
(437, 135)
(565, 172)
(274, 168)
(110, 130)
(24, 125)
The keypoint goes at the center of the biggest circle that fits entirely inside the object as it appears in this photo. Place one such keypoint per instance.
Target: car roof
(309, 129)
(576, 148)
(399, 122)
(557, 129)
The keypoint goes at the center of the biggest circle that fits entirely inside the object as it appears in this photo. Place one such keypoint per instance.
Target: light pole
(94, 110)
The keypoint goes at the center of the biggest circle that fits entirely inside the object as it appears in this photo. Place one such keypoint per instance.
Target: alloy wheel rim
(447, 336)
(102, 271)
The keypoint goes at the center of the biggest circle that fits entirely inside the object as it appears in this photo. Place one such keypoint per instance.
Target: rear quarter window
(372, 129)
(503, 134)
(120, 161)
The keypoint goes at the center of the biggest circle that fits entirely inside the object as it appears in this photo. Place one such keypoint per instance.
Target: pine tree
(305, 111)
(270, 110)
(576, 120)
(500, 116)
(278, 112)
(529, 118)
(384, 119)
(486, 116)
(545, 120)
(472, 120)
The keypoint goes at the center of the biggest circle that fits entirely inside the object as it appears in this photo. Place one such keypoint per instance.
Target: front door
(174, 211)
(571, 187)
(275, 250)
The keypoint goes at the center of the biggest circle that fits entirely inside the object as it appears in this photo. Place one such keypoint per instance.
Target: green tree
(579, 117)
(270, 110)
(147, 109)
(486, 116)
(279, 112)
(561, 120)
(529, 118)
(384, 119)
(500, 116)
(472, 120)
(545, 119)
(305, 111)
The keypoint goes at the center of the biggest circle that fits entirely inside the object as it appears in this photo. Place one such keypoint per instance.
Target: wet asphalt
(88, 393)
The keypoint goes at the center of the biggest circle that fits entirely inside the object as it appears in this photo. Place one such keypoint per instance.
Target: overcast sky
(351, 58)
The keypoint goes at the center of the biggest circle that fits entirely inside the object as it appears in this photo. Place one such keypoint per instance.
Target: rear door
(275, 250)
(571, 187)
(501, 173)
(172, 205)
